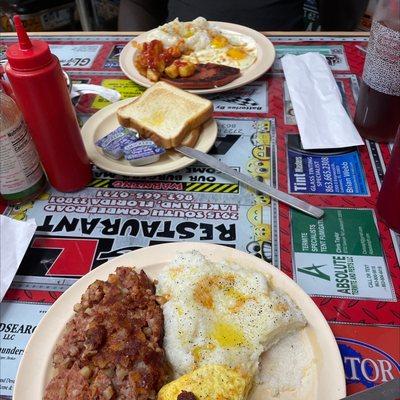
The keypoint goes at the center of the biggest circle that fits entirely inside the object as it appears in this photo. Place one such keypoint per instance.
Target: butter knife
(249, 181)
(386, 391)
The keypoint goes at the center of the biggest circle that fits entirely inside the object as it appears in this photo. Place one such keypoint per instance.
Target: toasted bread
(192, 137)
(165, 114)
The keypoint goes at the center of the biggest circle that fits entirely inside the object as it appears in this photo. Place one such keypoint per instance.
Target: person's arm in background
(141, 15)
(341, 15)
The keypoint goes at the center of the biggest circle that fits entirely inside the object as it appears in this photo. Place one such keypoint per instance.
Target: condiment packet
(124, 142)
(143, 152)
(113, 144)
(322, 120)
(19, 233)
(116, 149)
(112, 136)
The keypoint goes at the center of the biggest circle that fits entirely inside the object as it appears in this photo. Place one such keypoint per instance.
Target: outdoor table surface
(348, 262)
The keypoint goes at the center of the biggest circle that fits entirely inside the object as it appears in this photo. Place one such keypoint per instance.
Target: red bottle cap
(27, 54)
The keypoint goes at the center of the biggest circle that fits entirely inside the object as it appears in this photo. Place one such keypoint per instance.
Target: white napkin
(15, 237)
(317, 103)
(84, 88)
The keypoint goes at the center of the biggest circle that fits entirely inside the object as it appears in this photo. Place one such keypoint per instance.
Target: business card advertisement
(112, 61)
(334, 54)
(336, 171)
(252, 98)
(340, 255)
(125, 87)
(76, 55)
(17, 323)
(370, 354)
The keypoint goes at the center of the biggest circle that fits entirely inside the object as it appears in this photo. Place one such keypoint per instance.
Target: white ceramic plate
(265, 58)
(104, 121)
(326, 382)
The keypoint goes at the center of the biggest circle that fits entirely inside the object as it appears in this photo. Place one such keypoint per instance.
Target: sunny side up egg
(227, 49)
(221, 314)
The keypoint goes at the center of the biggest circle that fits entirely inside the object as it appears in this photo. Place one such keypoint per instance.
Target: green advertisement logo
(315, 270)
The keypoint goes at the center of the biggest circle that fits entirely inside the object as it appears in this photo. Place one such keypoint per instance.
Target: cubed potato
(172, 71)
(186, 69)
(160, 66)
(158, 47)
(152, 75)
(175, 51)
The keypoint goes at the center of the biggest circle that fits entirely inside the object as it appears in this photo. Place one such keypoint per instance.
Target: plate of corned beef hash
(182, 321)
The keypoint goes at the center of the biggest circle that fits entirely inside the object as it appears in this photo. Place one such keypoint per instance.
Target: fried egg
(220, 313)
(226, 49)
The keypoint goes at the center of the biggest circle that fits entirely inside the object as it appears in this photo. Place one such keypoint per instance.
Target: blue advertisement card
(324, 172)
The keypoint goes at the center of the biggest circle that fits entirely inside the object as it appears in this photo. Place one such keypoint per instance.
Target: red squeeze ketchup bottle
(41, 92)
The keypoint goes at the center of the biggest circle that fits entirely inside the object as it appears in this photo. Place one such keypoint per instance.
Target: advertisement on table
(325, 172)
(18, 322)
(370, 354)
(195, 204)
(350, 263)
(76, 56)
(335, 55)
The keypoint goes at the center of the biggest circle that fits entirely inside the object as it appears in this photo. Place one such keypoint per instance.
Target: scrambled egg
(211, 382)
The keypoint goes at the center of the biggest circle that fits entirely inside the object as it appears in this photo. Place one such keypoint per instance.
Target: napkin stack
(15, 237)
(317, 103)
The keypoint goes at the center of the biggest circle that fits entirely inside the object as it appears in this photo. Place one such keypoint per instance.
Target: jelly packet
(143, 152)
(112, 136)
(113, 144)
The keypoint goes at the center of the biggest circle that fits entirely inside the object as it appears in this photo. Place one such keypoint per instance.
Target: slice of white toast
(192, 137)
(165, 114)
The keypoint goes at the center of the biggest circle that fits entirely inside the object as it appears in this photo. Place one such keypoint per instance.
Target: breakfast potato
(174, 51)
(186, 69)
(156, 47)
(152, 59)
(152, 75)
(172, 71)
(160, 66)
